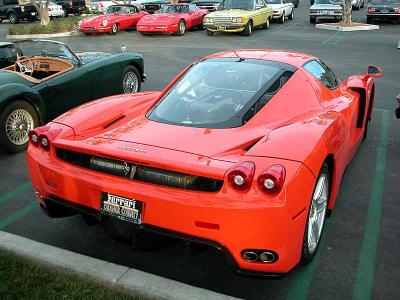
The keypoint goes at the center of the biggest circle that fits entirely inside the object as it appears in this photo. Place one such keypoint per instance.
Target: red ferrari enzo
(245, 151)
(174, 18)
(116, 18)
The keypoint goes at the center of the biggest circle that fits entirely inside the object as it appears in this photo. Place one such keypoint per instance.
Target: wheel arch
(139, 68)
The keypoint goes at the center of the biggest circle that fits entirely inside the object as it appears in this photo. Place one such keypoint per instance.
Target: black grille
(140, 172)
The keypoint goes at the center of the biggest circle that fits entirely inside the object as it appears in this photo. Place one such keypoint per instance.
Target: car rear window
(221, 93)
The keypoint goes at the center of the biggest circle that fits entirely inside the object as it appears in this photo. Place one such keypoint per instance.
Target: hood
(10, 77)
(97, 19)
(159, 18)
(326, 6)
(275, 6)
(88, 57)
(230, 13)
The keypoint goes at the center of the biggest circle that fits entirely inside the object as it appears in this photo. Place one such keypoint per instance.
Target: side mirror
(374, 71)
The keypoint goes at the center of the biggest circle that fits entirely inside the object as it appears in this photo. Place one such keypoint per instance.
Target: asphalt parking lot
(359, 256)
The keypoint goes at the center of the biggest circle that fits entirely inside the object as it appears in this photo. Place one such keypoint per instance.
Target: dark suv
(14, 12)
(76, 7)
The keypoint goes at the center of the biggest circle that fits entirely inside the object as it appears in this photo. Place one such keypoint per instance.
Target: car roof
(296, 59)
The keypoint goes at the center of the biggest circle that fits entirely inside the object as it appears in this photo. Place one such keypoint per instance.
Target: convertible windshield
(46, 48)
(221, 93)
(237, 4)
(121, 10)
(174, 9)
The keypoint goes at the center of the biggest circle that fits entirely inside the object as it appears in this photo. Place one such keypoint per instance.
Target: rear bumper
(238, 221)
(326, 16)
(383, 16)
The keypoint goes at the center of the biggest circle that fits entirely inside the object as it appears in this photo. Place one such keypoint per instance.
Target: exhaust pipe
(250, 256)
(267, 257)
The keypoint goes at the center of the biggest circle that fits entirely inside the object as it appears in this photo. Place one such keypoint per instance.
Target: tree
(346, 7)
(42, 7)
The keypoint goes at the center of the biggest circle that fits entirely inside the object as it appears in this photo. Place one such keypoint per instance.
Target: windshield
(220, 93)
(174, 9)
(237, 4)
(274, 1)
(47, 48)
(121, 10)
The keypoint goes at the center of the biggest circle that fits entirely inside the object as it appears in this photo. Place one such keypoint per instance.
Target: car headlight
(104, 23)
(237, 20)
(209, 20)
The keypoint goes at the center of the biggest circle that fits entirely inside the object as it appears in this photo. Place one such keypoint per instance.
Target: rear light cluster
(269, 181)
(371, 9)
(71, 4)
(42, 136)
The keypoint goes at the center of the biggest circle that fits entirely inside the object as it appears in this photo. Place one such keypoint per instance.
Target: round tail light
(241, 176)
(271, 180)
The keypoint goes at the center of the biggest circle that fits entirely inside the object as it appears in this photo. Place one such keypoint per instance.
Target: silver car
(325, 9)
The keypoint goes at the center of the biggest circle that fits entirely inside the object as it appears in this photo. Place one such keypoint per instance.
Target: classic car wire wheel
(130, 82)
(316, 216)
(18, 125)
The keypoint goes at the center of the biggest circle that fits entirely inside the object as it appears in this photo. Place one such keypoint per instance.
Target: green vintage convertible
(48, 78)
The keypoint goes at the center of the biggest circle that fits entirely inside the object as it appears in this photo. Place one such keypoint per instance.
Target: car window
(10, 2)
(237, 4)
(193, 7)
(324, 75)
(221, 93)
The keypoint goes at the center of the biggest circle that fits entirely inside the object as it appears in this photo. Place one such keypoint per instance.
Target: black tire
(369, 20)
(65, 14)
(306, 256)
(248, 28)
(5, 142)
(365, 132)
(313, 20)
(13, 18)
(266, 24)
(282, 18)
(210, 33)
(291, 16)
(181, 28)
(127, 70)
(1, 20)
(363, 4)
(114, 29)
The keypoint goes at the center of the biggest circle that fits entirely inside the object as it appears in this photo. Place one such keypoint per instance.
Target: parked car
(55, 10)
(48, 79)
(255, 163)
(210, 5)
(325, 9)
(100, 6)
(173, 18)
(8, 54)
(384, 9)
(116, 18)
(75, 7)
(14, 12)
(151, 6)
(282, 9)
(357, 4)
(239, 16)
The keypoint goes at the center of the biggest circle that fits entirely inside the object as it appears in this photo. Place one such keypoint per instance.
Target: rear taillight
(42, 136)
(241, 176)
(71, 4)
(271, 180)
(49, 9)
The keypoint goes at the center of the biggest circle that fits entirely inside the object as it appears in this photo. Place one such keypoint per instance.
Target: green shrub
(56, 26)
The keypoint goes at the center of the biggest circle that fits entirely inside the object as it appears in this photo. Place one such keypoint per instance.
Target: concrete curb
(41, 36)
(336, 27)
(142, 283)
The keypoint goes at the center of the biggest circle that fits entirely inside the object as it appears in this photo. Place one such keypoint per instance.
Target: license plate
(325, 12)
(221, 27)
(129, 210)
(384, 11)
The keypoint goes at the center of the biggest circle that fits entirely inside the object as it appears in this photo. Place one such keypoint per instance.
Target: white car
(325, 9)
(357, 4)
(281, 9)
(100, 6)
(55, 10)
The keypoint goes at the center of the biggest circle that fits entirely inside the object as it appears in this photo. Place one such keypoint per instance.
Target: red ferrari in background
(116, 18)
(174, 18)
(245, 151)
